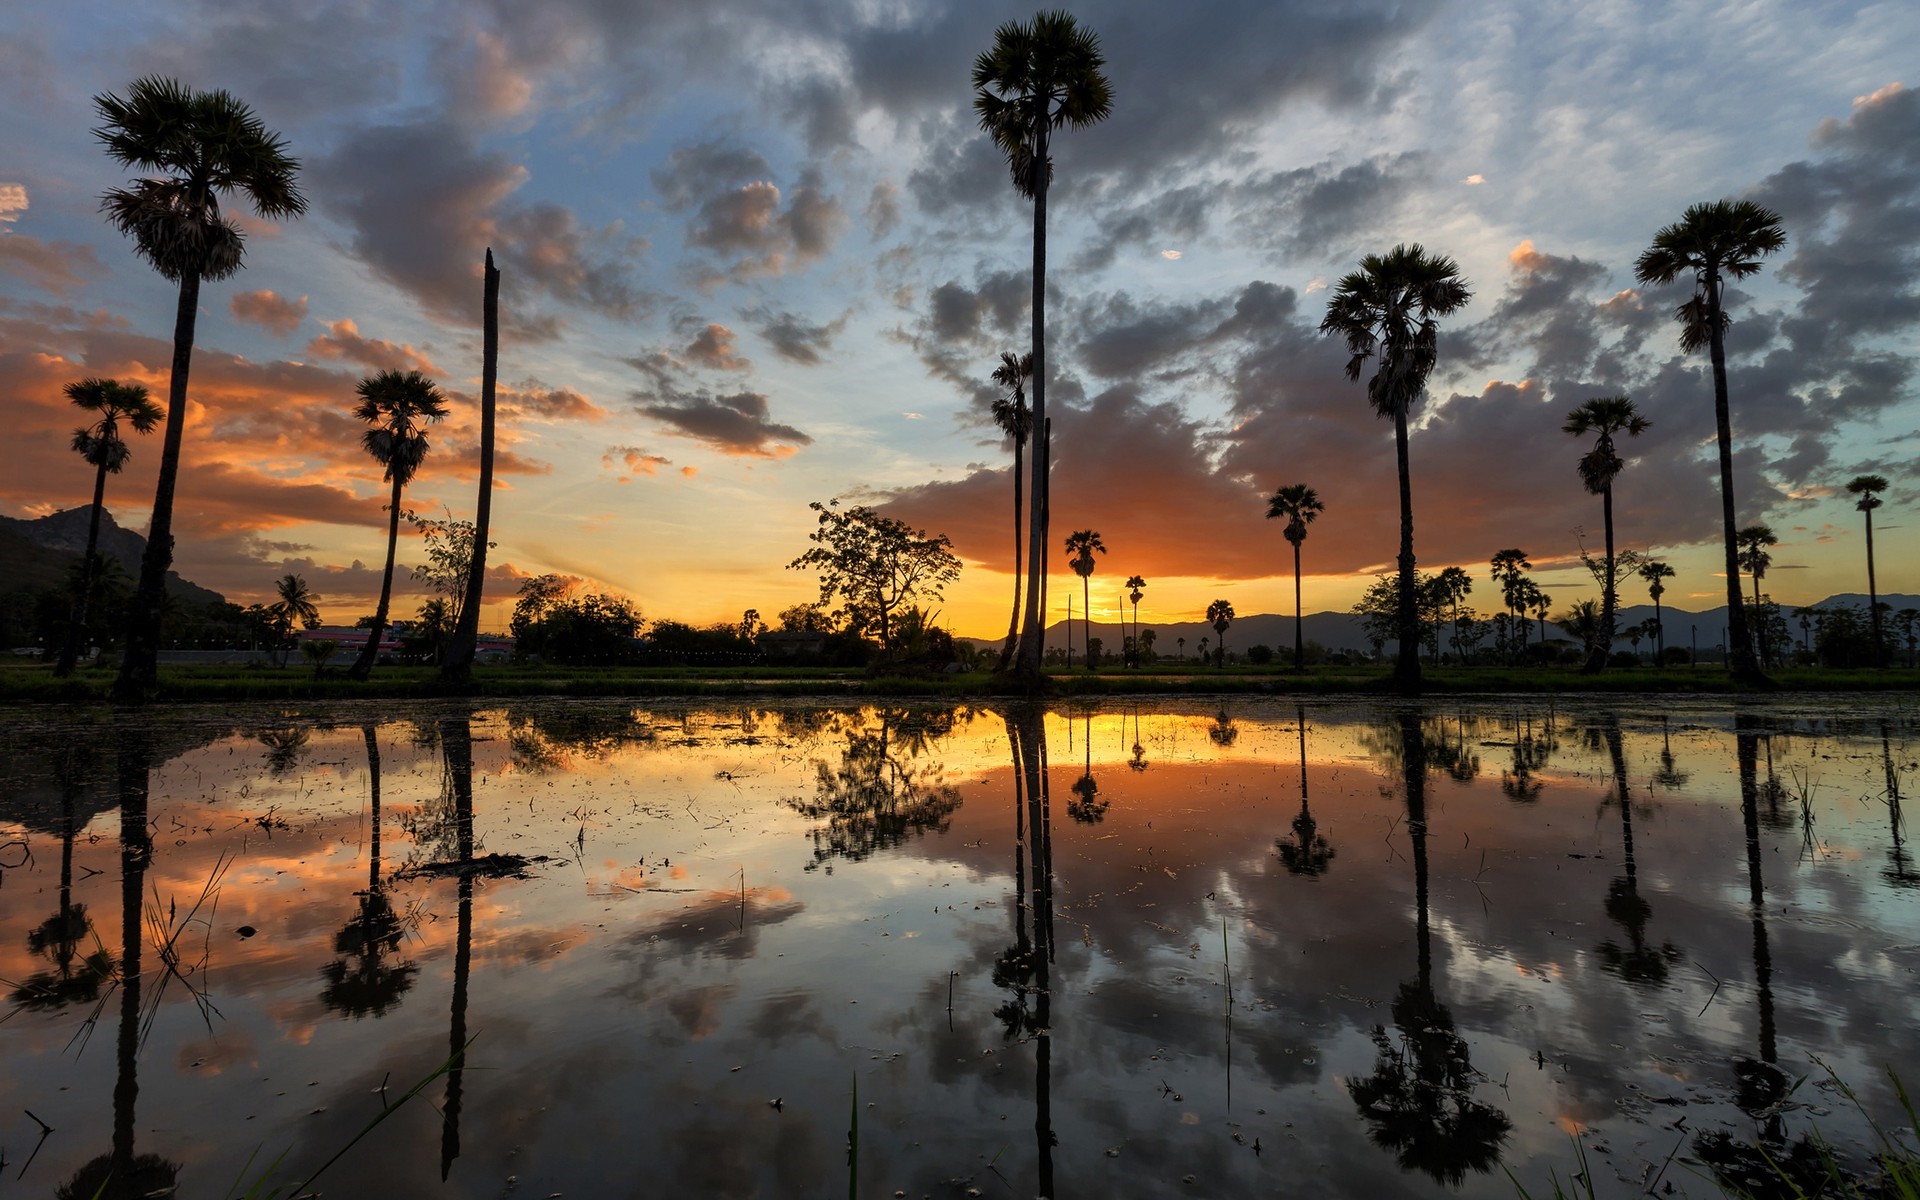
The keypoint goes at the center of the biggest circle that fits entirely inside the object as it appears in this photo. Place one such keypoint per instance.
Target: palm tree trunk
(140, 668)
(1013, 619)
(1603, 646)
(1086, 615)
(372, 737)
(459, 664)
(77, 626)
(1033, 632)
(370, 653)
(1406, 671)
(1760, 620)
(1299, 646)
(1740, 647)
(1659, 635)
(1873, 596)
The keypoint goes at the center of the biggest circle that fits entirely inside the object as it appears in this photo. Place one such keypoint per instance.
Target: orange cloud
(343, 342)
(58, 267)
(268, 310)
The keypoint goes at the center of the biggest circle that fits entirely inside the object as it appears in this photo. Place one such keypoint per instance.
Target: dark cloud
(747, 223)
(1174, 216)
(883, 208)
(532, 400)
(694, 173)
(713, 347)
(793, 337)
(737, 425)
(1322, 212)
(270, 311)
(58, 267)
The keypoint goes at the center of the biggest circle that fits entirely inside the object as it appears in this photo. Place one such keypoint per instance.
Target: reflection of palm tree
(1030, 756)
(121, 1174)
(456, 740)
(1223, 731)
(1639, 963)
(1419, 1099)
(1899, 871)
(359, 983)
(285, 747)
(1309, 852)
(1668, 776)
(58, 937)
(1139, 760)
(1088, 806)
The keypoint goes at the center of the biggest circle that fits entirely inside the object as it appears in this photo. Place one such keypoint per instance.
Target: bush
(1259, 656)
(1623, 658)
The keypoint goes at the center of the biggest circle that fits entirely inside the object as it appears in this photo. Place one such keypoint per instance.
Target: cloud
(636, 460)
(883, 208)
(713, 348)
(748, 222)
(735, 425)
(268, 310)
(694, 173)
(793, 337)
(533, 401)
(13, 202)
(343, 343)
(58, 267)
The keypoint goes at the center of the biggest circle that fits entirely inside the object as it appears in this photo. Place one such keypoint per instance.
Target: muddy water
(1348, 948)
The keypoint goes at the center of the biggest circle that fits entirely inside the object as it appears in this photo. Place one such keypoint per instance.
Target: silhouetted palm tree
(201, 147)
(1390, 307)
(1604, 416)
(102, 446)
(1015, 419)
(1299, 504)
(1509, 568)
(396, 404)
(1136, 586)
(1654, 572)
(1039, 76)
(1220, 615)
(1451, 586)
(1754, 559)
(1868, 488)
(296, 606)
(1080, 547)
(1711, 242)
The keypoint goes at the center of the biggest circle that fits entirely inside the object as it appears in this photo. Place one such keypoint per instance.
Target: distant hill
(38, 554)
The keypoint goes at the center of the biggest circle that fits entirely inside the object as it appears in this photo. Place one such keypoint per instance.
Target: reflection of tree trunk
(136, 852)
(457, 738)
(1030, 749)
(1899, 871)
(1413, 750)
(373, 789)
(1761, 1087)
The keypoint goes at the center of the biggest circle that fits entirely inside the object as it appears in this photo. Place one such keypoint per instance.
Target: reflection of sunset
(691, 901)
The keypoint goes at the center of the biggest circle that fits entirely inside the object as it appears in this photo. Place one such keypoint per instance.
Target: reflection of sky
(673, 966)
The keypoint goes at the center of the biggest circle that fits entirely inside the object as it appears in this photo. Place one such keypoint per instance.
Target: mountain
(38, 554)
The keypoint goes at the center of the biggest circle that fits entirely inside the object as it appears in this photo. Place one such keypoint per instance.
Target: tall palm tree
(1390, 308)
(1604, 416)
(1299, 504)
(1868, 488)
(1040, 75)
(1136, 586)
(1220, 615)
(297, 605)
(1015, 419)
(1712, 242)
(1453, 585)
(201, 147)
(1509, 569)
(1080, 547)
(102, 446)
(395, 404)
(1654, 572)
(1754, 559)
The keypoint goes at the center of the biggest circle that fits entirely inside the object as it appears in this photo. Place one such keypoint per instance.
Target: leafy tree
(1908, 619)
(1040, 76)
(1711, 242)
(396, 404)
(1753, 558)
(1080, 547)
(1299, 505)
(448, 545)
(1390, 308)
(1015, 419)
(1656, 573)
(806, 618)
(590, 630)
(877, 564)
(1220, 615)
(1148, 637)
(537, 597)
(197, 148)
(1604, 417)
(1868, 488)
(107, 452)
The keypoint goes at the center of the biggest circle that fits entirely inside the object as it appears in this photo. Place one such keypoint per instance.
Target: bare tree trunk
(77, 625)
(459, 663)
(1033, 632)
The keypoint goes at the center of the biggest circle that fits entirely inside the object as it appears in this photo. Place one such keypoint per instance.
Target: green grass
(33, 683)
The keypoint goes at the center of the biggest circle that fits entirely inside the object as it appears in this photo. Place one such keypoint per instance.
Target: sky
(756, 253)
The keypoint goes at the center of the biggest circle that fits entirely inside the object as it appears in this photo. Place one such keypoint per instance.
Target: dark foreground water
(1351, 949)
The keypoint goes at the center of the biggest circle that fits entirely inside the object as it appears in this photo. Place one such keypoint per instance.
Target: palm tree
(1754, 559)
(1509, 568)
(1390, 307)
(395, 404)
(1039, 76)
(1654, 572)
(1220, 615)
(1713, 241)
(1299, 504)
(1868, 487)
(1015, 419)
(1604, 416)
(202, 146)
(1080, 547)
(297, 605)
(101, 445)
(1136, 585)
(1452, 585)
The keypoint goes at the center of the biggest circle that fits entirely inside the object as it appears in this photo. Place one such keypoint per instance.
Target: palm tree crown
(1010, 411)
(396, 404)
(1389, 308)
(100, 443)
(1080, 547)
(1754, 540)
(1711, 240)
(1868, 488)
(1604, 416)
(296, 604)
(202, 145)
(1299, 505)
(1041, 75)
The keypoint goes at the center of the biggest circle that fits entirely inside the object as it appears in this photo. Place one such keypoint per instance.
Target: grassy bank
(33, 683)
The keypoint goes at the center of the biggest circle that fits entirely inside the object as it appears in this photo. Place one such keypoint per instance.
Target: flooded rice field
(1175, 949)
